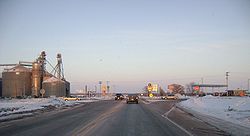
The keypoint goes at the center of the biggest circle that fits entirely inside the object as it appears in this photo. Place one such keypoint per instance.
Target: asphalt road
(103, 118)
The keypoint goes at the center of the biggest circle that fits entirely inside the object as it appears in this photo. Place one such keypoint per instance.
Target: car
(71, 98)
(132, 98)
(169, 97)
(119, 96)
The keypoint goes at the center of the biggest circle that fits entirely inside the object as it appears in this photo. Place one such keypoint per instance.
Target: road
(106, 118)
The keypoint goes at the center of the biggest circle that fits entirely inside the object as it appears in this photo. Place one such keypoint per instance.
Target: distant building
(237, 92)
(176, 88)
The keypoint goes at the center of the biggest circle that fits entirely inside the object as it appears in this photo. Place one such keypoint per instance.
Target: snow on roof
(18, 68)
(52, 79)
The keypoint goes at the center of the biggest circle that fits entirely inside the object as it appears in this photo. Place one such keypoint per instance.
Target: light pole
(248, 85)
(100, 83)
(227, 74)
(202, 83)
(108, 87)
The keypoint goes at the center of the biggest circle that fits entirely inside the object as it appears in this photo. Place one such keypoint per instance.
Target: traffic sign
(42, 91)
(196, 88)
(150, 87)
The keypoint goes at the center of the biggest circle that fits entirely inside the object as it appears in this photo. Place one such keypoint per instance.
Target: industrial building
(16, 82)
(32, 79)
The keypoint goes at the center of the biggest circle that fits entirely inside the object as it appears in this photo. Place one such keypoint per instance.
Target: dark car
(119, 96)
(132, 98)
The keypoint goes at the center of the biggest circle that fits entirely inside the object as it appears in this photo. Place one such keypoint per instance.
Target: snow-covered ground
(12, 107)
(159, 98)
(232, 109)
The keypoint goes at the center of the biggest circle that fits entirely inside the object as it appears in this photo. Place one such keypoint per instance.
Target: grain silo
(54, 87)
(67, 88)
(16, 82)
(36, 78)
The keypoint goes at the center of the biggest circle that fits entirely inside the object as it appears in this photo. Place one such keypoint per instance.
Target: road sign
(155, 87)
(196, 88)
(42, 91)
(150, 87)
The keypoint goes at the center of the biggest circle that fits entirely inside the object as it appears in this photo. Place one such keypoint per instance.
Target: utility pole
(202, 83)
(100, 83)
(248, 85)
(95, 90)
(108, 87)
(227, 75)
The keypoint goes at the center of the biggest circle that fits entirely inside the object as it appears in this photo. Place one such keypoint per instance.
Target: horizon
(131, 43)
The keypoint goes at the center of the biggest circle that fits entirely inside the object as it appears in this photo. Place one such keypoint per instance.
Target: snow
(52, 79)
(152, 99)
(232, 109)
(18, 68)
(159, 98)
(9, 108)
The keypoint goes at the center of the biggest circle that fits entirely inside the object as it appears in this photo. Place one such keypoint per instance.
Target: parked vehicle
(169, 97)
(71, 98)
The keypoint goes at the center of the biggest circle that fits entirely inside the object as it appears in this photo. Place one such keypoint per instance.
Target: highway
(110, 118)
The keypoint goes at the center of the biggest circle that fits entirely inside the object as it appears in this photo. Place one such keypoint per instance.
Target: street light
(248, 85)
(100, 83)
(227, 74)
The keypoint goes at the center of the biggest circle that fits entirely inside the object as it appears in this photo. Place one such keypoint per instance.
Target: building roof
(52, 79)
(18, 68)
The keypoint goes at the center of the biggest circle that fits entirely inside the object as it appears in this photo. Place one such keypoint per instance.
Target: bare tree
(176, 88)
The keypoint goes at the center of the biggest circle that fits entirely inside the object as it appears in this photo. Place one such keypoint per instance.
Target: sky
(132, 42)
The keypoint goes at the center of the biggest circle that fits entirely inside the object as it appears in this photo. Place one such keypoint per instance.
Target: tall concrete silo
(54, 87)
(36, 79)
(16, 82)
(67, 88)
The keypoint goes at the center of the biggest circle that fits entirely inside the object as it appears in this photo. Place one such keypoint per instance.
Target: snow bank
(21, 106)
(232, 109)
(24, 105)
(151, 99)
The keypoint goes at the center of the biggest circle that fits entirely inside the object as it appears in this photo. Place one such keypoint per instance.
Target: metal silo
(16, 82)
(67, 88)
(36, 79)
(54, 87)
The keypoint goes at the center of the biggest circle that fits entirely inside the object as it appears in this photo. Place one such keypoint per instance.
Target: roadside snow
(21, 106)
(24, 105)
(152, 99)
(232, 109)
